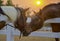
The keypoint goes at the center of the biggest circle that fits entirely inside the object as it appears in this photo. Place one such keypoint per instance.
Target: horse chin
(26, 33)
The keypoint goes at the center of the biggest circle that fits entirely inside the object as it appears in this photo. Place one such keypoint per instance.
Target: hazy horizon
(32, 4)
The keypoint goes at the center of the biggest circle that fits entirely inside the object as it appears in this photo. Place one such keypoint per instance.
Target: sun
(38, 2)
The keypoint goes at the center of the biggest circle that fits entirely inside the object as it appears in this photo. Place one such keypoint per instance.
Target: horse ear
(26, 9)
(40, 12)
(34, 12)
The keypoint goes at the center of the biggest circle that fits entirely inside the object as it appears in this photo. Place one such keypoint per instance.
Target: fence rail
(10, 32)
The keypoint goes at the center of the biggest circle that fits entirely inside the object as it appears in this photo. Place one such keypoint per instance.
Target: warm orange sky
(32, 3)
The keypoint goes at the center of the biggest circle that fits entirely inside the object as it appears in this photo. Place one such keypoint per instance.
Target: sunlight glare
(38, 2)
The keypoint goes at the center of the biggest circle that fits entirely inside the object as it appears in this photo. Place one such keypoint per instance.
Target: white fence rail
(10, 32)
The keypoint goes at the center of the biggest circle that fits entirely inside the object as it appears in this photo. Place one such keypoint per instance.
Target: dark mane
(20, 9)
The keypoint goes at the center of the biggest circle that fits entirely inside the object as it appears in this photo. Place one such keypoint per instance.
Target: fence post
(10, 36)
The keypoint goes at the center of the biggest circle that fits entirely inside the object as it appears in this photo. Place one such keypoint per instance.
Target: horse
(19, 17)
(27, 22)
(51, 11)
(14, 15)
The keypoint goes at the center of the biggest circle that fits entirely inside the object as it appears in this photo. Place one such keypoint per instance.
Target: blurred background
(33, 4)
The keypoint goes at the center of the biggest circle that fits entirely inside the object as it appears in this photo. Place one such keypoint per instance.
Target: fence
(10, 32)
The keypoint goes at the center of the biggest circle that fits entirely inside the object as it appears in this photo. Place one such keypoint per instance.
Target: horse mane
(19, 23)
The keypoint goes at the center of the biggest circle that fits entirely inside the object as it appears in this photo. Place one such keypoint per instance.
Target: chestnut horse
(49, 12)
(28, 23)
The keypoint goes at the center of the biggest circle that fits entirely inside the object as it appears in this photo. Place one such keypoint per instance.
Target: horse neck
(21, 18)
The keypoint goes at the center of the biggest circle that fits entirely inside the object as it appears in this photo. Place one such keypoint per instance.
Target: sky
(32, 3)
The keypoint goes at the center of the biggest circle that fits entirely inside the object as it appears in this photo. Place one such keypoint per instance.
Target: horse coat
(8, 14)
(51, 14)
(17, 17)
(10, 11)
(3, 18)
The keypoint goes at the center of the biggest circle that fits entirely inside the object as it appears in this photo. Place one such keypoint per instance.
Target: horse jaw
(27, 28)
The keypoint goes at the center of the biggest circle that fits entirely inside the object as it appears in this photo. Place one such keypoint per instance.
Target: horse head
(21, 20)
(31, 22)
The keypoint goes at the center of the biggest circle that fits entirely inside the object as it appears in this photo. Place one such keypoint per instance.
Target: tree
(1, 3)
(9, 3)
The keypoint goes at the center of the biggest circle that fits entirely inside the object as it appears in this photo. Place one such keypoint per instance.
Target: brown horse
(51, 11)
(21, 20)
(27, 28)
